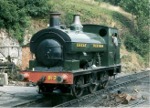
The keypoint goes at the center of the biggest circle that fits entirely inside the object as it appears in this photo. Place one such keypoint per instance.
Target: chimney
(54, 19)
(76, 23)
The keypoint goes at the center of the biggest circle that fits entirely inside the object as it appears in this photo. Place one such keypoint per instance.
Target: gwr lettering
(80, 45)
(98, 46)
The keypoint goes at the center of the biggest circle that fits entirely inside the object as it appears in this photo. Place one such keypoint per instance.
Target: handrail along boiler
(72, 59)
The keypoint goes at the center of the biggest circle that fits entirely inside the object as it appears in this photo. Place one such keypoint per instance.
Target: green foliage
(15, 15)
(139, 8)
(99, 0)
(139, 45)
(113, 2)
(13, 18)
(132, 43)
(37, 8)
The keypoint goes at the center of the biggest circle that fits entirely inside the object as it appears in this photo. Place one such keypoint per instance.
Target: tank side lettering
(98, 46)
(80, 45)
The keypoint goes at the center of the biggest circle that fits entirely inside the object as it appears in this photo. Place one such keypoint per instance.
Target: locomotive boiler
(72, 59)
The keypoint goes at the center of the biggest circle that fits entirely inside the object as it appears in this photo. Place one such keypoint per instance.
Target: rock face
(26, 57)
(9, 48)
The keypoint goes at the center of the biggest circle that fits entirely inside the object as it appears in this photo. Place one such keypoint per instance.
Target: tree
(37, 8)
(15, 15)
(139, 8)
(13, 18)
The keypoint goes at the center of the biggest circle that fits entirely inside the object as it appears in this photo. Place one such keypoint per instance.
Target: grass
(90, 13)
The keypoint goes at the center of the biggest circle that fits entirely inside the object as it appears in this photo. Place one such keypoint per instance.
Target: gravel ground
(12, 95)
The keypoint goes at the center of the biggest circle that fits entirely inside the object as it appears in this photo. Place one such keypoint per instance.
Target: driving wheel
(93, 80)
(77, 89)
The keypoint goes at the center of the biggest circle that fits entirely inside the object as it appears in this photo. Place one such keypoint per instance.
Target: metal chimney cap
(54, 19)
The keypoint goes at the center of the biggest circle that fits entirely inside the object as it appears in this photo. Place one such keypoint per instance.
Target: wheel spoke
(93, 80)
(77, 90)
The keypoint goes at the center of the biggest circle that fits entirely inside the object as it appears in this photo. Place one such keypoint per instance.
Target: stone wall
(9, 47)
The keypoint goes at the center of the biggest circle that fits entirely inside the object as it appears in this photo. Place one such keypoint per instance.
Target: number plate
(51, 77)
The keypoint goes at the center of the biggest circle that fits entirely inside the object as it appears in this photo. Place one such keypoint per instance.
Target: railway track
(113, 86)
(48, 101)
(141, 86)
(63, 101)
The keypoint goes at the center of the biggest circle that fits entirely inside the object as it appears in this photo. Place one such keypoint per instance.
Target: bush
(15, 15)
(113, 2)
(37, 8)
(134, 43)
(13, 18)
